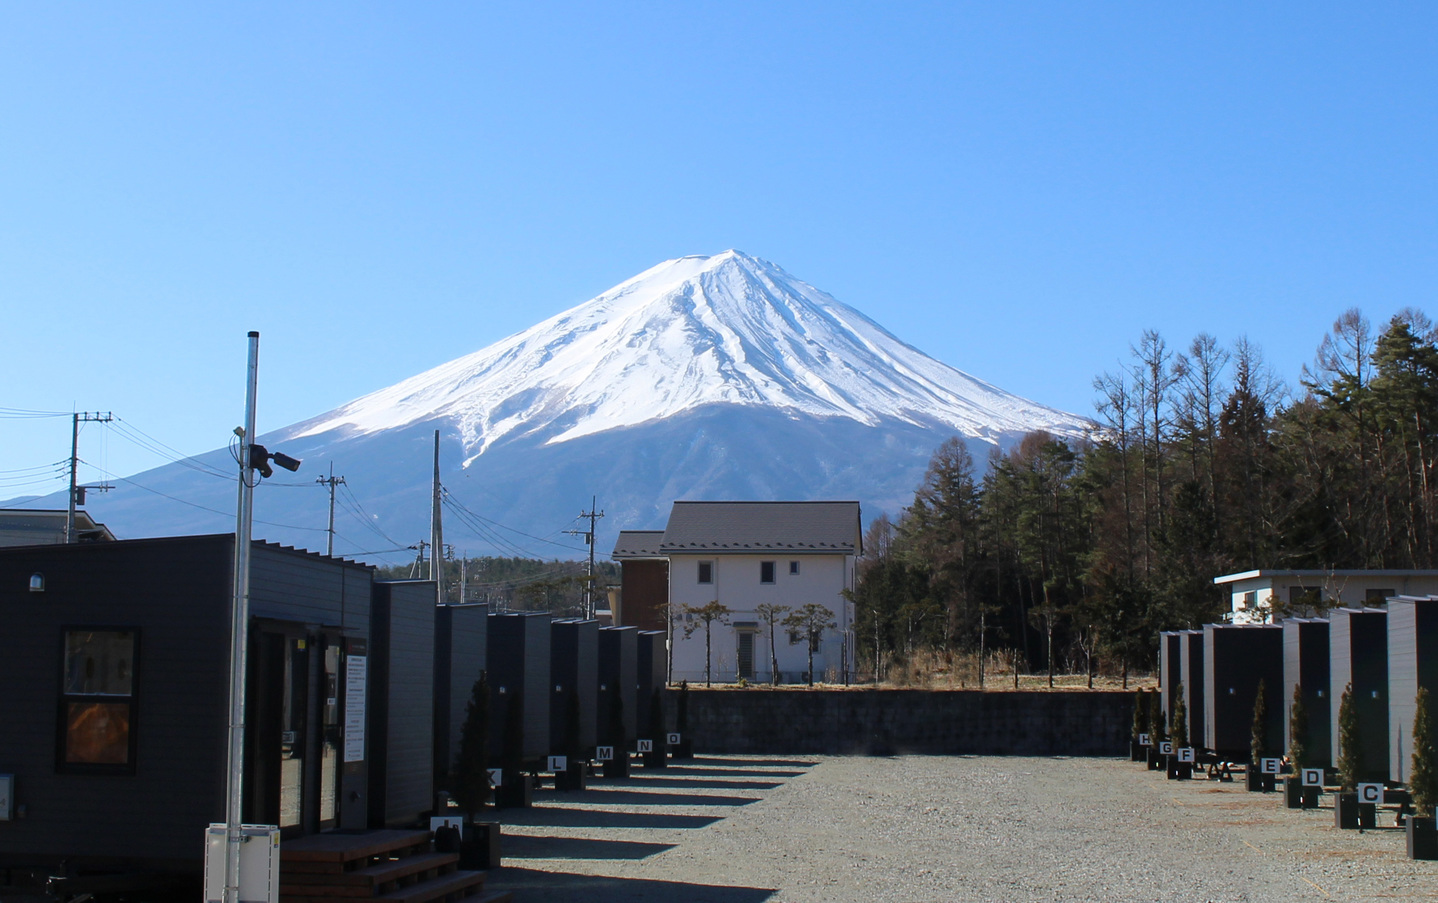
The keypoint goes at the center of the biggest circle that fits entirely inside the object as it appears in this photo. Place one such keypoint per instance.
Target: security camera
(285, 461)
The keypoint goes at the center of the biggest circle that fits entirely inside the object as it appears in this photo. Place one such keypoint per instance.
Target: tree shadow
(707, 784)
(744, 772)
(758, 763)
(534, 886)
(530, 846)
(636, 797)
(563, 817)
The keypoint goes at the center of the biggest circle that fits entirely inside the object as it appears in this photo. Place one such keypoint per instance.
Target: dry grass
(928, 670)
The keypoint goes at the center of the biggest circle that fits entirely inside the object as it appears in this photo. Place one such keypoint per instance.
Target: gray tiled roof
(638, 544)
(738, 527)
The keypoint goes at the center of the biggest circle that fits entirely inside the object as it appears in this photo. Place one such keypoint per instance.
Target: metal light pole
(239, 635)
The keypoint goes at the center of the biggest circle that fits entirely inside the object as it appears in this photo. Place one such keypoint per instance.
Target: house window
(706, 572)
(766, 572)
(794, 567)
(97, 701)
(1249, 600)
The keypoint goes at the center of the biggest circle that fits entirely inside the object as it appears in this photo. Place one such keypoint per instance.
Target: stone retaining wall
(890, 722)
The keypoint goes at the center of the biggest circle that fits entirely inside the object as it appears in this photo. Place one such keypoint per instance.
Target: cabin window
(766, 572)
(97, 701)
(1377, 595)
(706, 572)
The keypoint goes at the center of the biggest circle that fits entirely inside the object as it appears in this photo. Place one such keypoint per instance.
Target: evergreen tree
(1140, 714)
(1258, 735)
(1180, 718)
(469, 776)
(1297, 731)
(1350, 743)
(1155, 716)
(1423, 780)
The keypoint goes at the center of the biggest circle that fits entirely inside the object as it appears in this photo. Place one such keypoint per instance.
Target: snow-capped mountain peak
(729, 329)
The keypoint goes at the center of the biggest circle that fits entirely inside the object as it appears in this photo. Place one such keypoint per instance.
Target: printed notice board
(356, 672)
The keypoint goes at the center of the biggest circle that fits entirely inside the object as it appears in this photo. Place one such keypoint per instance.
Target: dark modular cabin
(1358, 657)
(401, 655)
(460, 655)
(1191, 671)
(1412, 664)
(1306, 665)
(574, 673)
(1170, 669)
(1236, 657)
(652, 673)
(519, 675)
(114, 698)
(618, 679)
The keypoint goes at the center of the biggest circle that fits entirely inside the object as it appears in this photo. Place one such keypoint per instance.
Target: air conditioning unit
(259, 864)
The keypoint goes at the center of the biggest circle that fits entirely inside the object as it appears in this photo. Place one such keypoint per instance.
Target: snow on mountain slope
(690, 332)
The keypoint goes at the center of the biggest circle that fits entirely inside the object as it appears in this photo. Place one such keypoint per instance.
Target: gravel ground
(744, 829)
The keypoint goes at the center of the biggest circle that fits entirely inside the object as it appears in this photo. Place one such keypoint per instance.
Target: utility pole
(76, 420)
(589, 540)
(436, 533)
(239, 633)
(332, 481)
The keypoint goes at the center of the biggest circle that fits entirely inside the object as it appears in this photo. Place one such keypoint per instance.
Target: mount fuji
(719, 377)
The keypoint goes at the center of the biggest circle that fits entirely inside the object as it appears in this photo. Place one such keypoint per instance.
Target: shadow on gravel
(560, 817)
(739, 772)
(702, 761)
(705, 783)
(526, 846)
(534, 886)
(656, 798)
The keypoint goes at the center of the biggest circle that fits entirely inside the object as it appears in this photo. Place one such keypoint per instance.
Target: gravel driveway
(744, 829)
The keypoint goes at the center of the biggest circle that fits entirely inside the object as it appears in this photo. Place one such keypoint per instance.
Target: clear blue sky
(1017, 189)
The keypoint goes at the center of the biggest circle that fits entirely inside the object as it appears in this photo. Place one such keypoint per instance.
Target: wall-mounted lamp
(37, 582)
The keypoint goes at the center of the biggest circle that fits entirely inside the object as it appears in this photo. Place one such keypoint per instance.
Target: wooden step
(341, 850)
(366, 882)
(445, 888)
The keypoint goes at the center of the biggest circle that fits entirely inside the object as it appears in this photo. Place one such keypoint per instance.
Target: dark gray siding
(519, 671)
(618, 667)
(1170, 668)
(290, 585)
(573, 673)
(652, 673)
(1358, 655)
(402, 684)
(460, 656)
(1236, 658)
(1191, 667)
(1412, 663)
(176, 593)
(1306, 665)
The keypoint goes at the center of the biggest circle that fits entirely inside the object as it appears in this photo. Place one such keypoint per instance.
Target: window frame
(773, 568)
(65, 699)
(700, 575)
(794, 568)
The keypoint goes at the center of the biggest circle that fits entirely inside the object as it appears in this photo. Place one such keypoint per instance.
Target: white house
(1265, 595)
(746, 554)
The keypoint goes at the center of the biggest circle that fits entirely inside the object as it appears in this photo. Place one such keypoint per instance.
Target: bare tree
(771, 616)
(705, 616)
(810, 622)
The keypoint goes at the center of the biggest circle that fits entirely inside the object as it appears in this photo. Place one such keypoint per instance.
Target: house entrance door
(746, 654)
